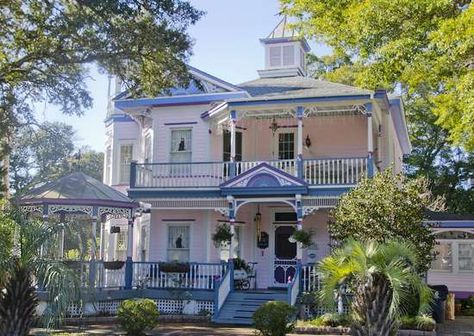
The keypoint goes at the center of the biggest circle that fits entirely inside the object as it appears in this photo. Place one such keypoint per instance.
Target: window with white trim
(444, 257)
(288, 55)
(178, 242)
(225, 248)
(454, 252)
(286, 146)
(126, 156)
(121, 239)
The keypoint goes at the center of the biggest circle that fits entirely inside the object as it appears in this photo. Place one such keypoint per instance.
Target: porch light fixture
(307, 141)
(258, 222)
(274, 126)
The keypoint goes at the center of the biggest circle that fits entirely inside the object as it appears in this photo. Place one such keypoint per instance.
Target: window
(126, 155)
(238, 146)
(288, 55)
(178, 243)
(108, 164)
(147, 149)
(444, 257)
(121, 244)
(466, 256)
(225, 249)
(286, 146)
(181, 151)
(275, 56)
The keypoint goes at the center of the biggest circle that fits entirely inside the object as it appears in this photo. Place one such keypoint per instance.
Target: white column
(232, 240)
(370, 138)
(233, 121)
(61, 248)
(130, 239)
(94, 238)
(300, 132)
(299, 227)
(101, 246)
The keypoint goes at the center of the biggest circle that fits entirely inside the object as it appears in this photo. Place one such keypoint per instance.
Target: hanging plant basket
(113, 265)
(174, 267)
(303, 237)
(221, 235)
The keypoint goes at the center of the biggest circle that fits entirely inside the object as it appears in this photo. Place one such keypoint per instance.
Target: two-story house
(267, 157)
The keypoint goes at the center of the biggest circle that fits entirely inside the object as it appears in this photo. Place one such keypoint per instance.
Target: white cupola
(285, 52)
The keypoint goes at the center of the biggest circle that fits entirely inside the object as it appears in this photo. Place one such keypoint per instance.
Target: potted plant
(303, 237)
(222, 235)
(174, 267)
(113, 265)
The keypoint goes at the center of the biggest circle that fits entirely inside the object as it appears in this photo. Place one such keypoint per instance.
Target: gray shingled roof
(76, 187)
(298, 87)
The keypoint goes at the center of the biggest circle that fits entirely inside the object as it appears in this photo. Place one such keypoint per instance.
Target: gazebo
(78, 194)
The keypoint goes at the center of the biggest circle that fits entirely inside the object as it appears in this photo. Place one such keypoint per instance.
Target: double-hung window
(181, 151)
(178, 242)
(286, 146)
(126, 156)
(454, 252)
(444, 257)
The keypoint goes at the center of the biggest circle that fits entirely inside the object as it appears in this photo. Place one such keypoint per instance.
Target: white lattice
(111, 307)
(32, 209)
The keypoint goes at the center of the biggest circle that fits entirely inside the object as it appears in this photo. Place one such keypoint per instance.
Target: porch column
(129, 261)
(299, 227)
(233, 121)
(370, 141)
(45, 222)
(92, 265)
(299, 158)
(232, 214)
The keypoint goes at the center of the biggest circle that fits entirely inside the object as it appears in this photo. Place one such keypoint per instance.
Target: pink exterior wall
(203, 223)
(338, 136)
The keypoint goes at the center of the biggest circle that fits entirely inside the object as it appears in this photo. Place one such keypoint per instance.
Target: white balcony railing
(337, 171)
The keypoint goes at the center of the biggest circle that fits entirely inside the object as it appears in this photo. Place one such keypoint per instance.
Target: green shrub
(331, 320)
(420, 322)
(136, 316)
(468, 312)
(274, 318)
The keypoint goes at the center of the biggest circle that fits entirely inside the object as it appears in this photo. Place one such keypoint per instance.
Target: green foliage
(423, 46)
(387, 207)
(303, 237)
(46, 152)
(418, 322)
(331, 320)
(136, 316)
(274, 318)
(47, 46)
(222, 235)
(241, 264)
(379, 275)
(18, 295)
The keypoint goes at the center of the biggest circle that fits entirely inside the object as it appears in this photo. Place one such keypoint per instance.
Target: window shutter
(288, 55)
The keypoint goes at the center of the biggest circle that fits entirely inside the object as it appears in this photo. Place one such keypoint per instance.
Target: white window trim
(146, 134)
(183, 223)
(116, 167)
(277, 141)
(455, 256)
(170, 140)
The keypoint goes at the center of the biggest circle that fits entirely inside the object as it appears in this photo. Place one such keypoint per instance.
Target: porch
(316, 172)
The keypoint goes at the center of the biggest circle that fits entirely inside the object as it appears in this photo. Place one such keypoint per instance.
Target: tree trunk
(371, 307)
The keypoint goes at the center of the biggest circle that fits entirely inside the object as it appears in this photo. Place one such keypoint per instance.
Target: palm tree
(381, 276)
(24, 270)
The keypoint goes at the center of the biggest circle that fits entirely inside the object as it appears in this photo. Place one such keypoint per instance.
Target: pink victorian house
(266, 157)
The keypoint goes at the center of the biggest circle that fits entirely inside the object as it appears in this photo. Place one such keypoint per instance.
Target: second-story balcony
(315, 172)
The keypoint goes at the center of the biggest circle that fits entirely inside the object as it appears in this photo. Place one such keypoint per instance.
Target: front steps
(240, 305)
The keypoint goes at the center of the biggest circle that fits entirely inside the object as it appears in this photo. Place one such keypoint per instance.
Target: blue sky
(226, 45)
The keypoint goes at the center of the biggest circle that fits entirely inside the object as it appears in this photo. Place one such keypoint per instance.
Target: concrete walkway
(461, 326)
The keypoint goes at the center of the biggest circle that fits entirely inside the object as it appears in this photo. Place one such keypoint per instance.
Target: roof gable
(264, 180)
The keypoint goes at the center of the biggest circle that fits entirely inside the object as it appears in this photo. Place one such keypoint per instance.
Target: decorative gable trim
(264, 180)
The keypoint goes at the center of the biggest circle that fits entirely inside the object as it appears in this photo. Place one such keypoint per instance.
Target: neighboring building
(454, 264)
(284, 146)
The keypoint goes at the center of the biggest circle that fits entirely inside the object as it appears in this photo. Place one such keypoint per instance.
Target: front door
(284, 265)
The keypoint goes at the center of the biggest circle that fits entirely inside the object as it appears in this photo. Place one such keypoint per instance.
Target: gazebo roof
(77, 189)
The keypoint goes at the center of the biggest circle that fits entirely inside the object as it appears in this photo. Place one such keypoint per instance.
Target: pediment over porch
(264, 179)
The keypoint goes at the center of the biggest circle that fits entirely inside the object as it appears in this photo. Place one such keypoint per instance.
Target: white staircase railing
(294, 288)
(223, 289)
